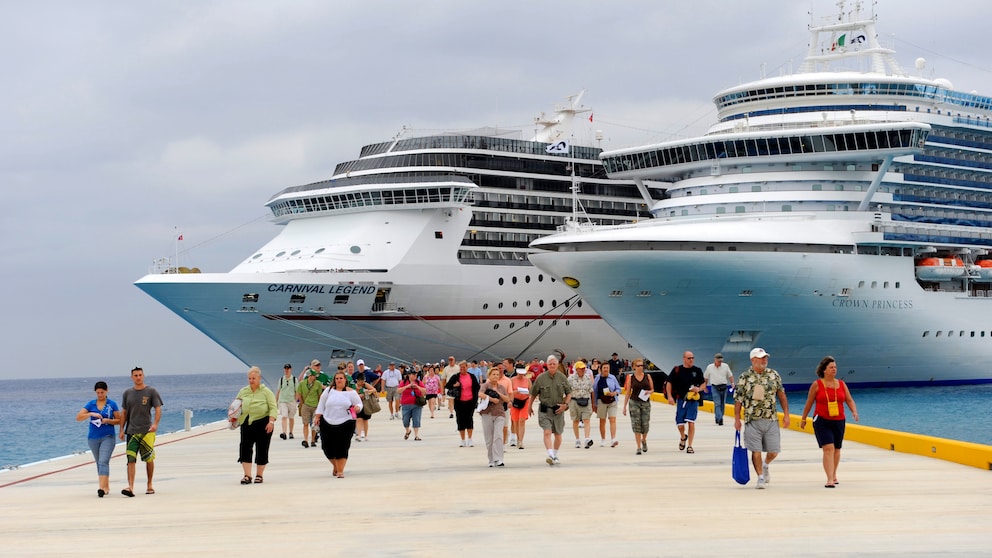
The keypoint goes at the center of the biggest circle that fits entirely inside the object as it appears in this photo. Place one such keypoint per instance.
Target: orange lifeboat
(984, 270)
(939, 269)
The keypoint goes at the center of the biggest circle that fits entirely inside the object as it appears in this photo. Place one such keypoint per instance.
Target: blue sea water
(40, 415)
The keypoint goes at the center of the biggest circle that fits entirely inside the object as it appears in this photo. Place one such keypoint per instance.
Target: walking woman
(519, 411)
(410, 388)
(493, 416)
(640, 386)
(336, 415)
(257, 420)
(364, 391)
(464, 389)
(830, 395)
(103, 414)
(432, 383)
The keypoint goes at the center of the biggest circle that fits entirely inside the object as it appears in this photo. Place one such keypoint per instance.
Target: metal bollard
(187, 419)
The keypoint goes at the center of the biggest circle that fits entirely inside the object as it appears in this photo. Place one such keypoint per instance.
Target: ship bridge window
(786, 208)
(297, 299)
(616, 293)
(341, 299)
(249, 297)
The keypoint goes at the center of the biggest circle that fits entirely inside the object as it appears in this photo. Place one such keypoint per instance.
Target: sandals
(682, 443)
(258, 479)
(417, 439)
(406, 436)
(246, 480)
(690, 450)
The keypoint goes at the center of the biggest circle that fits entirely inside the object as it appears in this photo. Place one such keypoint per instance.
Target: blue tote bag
(741, 469)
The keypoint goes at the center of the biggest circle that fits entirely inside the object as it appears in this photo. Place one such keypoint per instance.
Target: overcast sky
(126, 122)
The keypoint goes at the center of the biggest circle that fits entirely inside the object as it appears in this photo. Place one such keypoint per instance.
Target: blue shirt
(611, 383)
(475, 371)
(109, 408)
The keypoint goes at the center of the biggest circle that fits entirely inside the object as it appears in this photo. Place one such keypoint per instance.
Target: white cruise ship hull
(427, 318)
(884, 330)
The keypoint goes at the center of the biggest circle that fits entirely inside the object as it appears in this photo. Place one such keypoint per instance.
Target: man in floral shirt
(756, 392)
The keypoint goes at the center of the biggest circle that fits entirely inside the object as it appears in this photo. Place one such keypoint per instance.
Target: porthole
(281, 254)
(294, 252)
(540, 278)
(579, 304)
(256, 256)
(514, 303)
(356, 249)
(528, 304)
(512, 324)
(485, 306)
(540, 322)
(500, 306)
(527, 279)
(495, 326)
(541, 303)
(568, 322)
(319, 251)
(554, 303)
(514, 279)
(500, 280)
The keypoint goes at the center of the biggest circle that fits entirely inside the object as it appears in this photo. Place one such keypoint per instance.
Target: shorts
(517, 415)
(306, 413)
(686, 411)
(287, 410)
(431, 396)
(604, 410)
(829, 431)
(579, 413)
(763, 435)
(550, 421)
(392, 393)
(141, 444)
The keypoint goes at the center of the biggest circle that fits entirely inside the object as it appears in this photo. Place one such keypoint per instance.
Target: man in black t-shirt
(616, 367)
(684, 389)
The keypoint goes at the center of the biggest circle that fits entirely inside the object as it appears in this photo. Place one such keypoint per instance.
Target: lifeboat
(939, 269)
(984, 270)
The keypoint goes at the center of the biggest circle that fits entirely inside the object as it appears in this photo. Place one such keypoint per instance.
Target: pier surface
(435, 498)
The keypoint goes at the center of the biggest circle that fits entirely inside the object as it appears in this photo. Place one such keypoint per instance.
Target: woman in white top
(335, 416)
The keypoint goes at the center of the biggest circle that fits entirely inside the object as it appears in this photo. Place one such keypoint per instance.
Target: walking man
(139, 428)
(718, 376)
(308, 392)
(684, 389)
(604, 404)
(553, 390)
(391, 378)
(754, 404)
(287, 399)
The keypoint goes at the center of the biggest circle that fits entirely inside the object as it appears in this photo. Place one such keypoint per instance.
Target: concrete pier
(434, 498)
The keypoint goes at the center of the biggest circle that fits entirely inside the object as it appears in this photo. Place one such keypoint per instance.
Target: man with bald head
(554, 391)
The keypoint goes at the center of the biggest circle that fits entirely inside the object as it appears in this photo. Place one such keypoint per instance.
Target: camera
(492, 393)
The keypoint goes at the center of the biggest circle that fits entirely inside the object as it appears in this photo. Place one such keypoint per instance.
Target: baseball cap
(758, 352)
(718, 355)
(580, 364)
(359, 361)
(287, 365)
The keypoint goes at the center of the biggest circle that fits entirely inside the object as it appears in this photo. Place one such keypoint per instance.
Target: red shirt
(826, 395)
(409, 396)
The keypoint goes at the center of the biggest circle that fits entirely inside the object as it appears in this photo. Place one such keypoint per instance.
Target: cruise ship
(418, 250)
(843, 210)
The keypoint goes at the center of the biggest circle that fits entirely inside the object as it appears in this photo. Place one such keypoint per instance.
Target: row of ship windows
(763, 207)
(951, 333)
(447, 194)
(770, 146)
(527, 304)
(470, 161)
(846, 291)
(512, 325)
(915, 90)
(476, 142)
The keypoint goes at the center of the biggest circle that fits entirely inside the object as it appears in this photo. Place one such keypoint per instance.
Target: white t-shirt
(391, 377)
(718, 376)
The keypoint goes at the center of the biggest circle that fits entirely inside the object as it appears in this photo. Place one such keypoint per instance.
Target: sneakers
(588, 443)
(463, 444)
(470, 444)
(554, 461)
(578, 444)
(614, 444)
(602, 443)
(290, 435)
(305, 444)
(283, 435)
(491, 464)
(638, 451)
(365, 438)
(499, 464)
(761, 483)
(767, 472)
(644, 445)
(550, 461)
(451, 415)
(513, 439)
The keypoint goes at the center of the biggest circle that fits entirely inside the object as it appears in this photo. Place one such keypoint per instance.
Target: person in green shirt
(257, 420)
(308, 392)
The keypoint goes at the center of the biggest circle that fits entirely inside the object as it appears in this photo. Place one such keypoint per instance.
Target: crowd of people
(337, 410)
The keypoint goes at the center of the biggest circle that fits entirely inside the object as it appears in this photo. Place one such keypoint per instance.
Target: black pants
(464, 411)
(254, 436)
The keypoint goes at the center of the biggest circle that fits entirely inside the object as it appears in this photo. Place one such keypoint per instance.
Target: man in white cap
(756, 391)
(718, 376)
(391, 378)
(554, 391)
